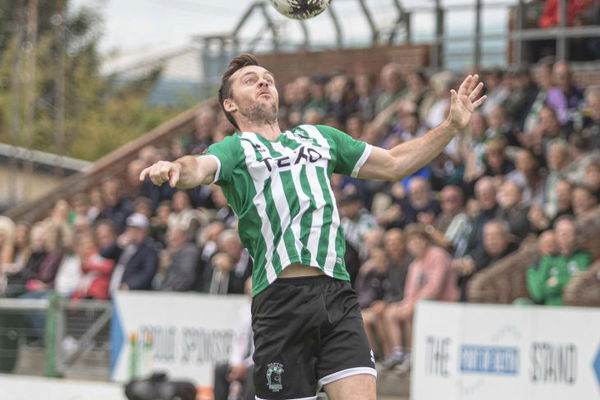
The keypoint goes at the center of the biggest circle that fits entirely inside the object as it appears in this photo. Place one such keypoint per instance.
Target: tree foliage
(101, 112)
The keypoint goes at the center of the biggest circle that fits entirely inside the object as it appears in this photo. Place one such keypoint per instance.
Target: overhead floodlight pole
(370, 21)
(339, 37)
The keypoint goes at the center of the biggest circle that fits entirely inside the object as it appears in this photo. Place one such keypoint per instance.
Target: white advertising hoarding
(499, 352)
(183, 334)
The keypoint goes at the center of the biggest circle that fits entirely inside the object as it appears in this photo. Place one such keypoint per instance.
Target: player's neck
(268, 131)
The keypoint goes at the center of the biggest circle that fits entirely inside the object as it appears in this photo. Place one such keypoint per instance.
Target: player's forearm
(191, 174)
(413, 155)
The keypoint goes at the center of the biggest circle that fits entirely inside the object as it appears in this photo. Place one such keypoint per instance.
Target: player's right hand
(161, 172)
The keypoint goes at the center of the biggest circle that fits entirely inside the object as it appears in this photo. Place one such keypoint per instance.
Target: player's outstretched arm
(185, 173)
(408, 157)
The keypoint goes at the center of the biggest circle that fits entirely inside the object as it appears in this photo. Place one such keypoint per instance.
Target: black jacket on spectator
(140, 268)
(396, 280)
(482, 260)
(157, 194)
(517, 220)
(118, 214)
(181, 274)
(371, 287)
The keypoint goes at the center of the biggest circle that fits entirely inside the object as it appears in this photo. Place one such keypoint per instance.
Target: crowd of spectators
(527, 165)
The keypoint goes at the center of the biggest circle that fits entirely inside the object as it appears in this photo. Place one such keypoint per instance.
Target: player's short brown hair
(236, 63)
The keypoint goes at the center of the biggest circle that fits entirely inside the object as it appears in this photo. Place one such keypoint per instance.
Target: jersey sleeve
(227, 154)
(349, 154)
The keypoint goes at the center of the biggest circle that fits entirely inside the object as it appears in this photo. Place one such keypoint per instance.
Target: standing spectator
(179, 261)
(497, 243)
(117, 206)
(547, 281)
(136, 257)
(429, 277)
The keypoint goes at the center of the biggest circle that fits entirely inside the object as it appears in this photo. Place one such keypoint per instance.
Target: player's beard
(260, 113)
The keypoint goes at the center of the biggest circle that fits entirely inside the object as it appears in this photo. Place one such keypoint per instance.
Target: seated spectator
(547, 281)
(117, 206)
(592, 177)
(591, 120)
(96, 270)
(581, 156)
(371, 285)
(391, 86)
(234, 379)
(528, 175)
(356, 222)
(582, 199)
(513, 210)
(497, 243)
(419, 205)
(135, 255)
(566, 97)
(224, 213)
(230, 267)
(7, 243)
(429, 277)
(486, 210)
(398, 260)
(496, 163)
(160, 223)
(179, 261)
(563, 200)
(143, 205)
(496, 90)
(183, 214)
(451, 228)
(557, 159)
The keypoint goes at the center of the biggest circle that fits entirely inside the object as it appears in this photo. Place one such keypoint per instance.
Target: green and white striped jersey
(281, 192)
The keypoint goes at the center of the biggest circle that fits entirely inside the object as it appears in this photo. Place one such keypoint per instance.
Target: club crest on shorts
(274, 371)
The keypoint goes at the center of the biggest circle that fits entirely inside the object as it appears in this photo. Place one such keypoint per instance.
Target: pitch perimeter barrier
(498, 352)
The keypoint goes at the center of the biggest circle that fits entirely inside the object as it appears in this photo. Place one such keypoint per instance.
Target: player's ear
(229, 105)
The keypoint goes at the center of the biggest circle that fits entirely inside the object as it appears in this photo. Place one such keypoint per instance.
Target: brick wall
(288, 66)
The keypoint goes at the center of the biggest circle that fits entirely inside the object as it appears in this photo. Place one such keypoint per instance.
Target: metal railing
(74, 342)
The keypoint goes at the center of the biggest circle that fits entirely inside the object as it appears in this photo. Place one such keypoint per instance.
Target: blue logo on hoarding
(597, 365)
(489, 360)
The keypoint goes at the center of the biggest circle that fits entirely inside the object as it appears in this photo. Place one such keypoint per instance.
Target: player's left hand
(465, 101)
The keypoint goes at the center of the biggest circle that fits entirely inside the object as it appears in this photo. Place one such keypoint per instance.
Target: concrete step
(392, 383)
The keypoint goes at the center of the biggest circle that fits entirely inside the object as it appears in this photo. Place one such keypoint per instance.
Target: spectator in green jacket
(546, 282)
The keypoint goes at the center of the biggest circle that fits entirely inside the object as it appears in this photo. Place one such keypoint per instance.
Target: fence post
(50, 368)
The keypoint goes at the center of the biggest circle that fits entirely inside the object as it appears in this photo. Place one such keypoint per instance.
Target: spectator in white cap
(136, 255)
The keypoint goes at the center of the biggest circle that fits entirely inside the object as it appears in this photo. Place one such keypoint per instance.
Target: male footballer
(308, 330)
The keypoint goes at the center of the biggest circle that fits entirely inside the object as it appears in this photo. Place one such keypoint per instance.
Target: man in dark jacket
(136, 256)
(181, 261)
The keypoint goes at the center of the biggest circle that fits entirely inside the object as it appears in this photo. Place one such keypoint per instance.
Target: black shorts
(308, 332)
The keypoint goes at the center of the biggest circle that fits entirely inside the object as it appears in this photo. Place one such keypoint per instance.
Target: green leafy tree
(101, 113)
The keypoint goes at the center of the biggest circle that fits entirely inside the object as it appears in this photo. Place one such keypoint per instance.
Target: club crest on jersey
(274, 371)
